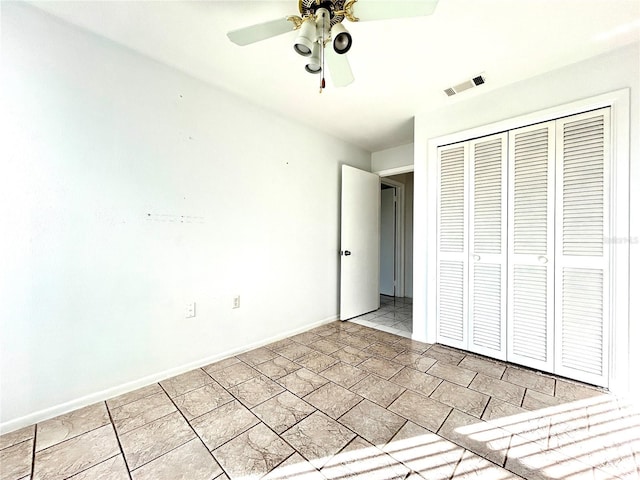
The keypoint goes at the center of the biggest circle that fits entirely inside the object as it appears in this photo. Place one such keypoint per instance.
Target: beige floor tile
(433, 457)
(234, 374)
(482, 438)
(140, 412)
(484, 366)
(253, 454)
(154, 439)
(112, 469)
(302, 382)
(295, 468)
(277, 367)
(227, 362)
(500, 389)
(530, 379)
(454, 374)
(413, 345)
(275, 346)
(294, 350)
(186, 382)
(570, 391)
(71, 425)
(380, 366)
(223, 424)
(257, 356)
(326, 346)
(534, 400)
(378, 390)
(17, 436)
(134, 395)
(344, 374)
(445, 354)
(255, 391)
(357, 341)
(419, 382)
(351, 355)
(76, 454)
(305, 338)
(363, 461)
(15, 461)
(375, 424)
(318, 438)
(474, 467)
(385, 350)
(497, 409)
(415, 361)
(283, 411)
(202, 400)
(316, 361)
(422, 410)
(333, 400)
(191, 461)
(463, 399)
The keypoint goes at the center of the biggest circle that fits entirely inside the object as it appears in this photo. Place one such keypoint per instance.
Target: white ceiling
(401, 66)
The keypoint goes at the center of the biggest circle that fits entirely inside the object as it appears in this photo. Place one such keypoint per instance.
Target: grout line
(33, 450)
(115, 432)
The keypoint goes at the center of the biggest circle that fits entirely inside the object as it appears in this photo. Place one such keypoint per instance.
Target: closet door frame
(425, 316)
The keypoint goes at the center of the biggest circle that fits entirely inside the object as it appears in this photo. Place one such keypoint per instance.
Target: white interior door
(488, 246)
(387, 241)
(453, 246)
(582, 250)
(359, 243)
(531, 246)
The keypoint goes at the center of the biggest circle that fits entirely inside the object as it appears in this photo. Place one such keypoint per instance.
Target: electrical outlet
(190, 311)
(236, 301)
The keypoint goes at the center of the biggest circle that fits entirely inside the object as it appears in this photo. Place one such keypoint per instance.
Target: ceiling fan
(320, 21)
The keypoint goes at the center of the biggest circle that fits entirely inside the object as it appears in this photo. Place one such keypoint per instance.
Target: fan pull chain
(322, 83)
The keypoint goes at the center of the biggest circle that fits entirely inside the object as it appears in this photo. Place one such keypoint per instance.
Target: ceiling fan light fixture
(341, 38)
(314, 65)
(306, 38)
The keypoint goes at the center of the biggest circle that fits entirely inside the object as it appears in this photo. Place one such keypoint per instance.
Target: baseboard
(103, 395)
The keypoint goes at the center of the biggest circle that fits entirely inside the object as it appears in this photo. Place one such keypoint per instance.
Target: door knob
(542, 259)
(476, 258)
(346, 253)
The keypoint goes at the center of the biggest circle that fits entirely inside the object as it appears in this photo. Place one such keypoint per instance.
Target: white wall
(396, 158)
(618, 70)
(105, 155)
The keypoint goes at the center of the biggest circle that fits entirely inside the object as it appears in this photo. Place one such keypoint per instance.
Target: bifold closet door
(488, 246)
(452, 280)
(531, 246)
(582, 252)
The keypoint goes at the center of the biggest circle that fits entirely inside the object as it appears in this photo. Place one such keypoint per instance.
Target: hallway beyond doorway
(393, 316)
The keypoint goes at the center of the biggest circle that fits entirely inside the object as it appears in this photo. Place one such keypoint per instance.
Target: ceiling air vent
(466, 85)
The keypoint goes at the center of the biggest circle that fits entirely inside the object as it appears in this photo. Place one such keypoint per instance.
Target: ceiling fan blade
(366, 10)
(339, 68)
(262, 31)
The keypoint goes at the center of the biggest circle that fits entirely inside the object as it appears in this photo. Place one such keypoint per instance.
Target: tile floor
(393, 316)
(340, 401)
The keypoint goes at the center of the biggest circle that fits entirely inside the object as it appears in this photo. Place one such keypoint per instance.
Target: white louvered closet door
(452, 246)
(582, 251)
(488, 245)
(531, 246)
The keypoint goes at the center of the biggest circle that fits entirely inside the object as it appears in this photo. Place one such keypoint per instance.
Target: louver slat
(487, 306)
(583, 187)
(531, 164)
(452, 201)
(451, 300)
(582, 322)
(529, 313)
(487, 212)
